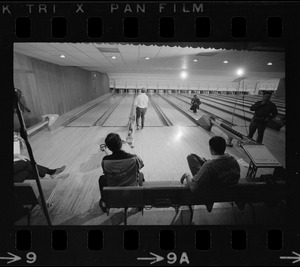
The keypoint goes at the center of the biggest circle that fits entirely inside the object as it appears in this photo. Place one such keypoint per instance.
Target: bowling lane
(177, 118)
(151, 117)
(121, 114)
(243, 103)
(229, 107)
(164, 150)
(204, 107)
(242, 126)
(184, 105)
(90, 117)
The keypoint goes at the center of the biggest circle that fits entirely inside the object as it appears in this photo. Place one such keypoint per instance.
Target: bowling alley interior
(70, 96)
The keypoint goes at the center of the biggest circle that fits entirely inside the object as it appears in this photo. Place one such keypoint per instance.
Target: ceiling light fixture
(183, 74)
(225, 61)
(113, 57)
(147, 58)
(240, 72)
(195, 60)
(270, 64)
(62, 56)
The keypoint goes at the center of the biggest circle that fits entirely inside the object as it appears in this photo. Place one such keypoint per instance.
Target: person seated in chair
(23, 169)
(223, 169)
(120, 168)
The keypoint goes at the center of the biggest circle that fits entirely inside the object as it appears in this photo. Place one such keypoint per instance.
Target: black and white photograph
(149, 133)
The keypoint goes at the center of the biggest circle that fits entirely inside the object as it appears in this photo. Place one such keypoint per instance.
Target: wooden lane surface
(254, 98)
(242, 104)
(228, 107)
(121, 114)
(273, 140)
(210, 109)
(151, 117)
(177, 118)
(88, 118)
(78, 148)
(184, 106)
(163, 150)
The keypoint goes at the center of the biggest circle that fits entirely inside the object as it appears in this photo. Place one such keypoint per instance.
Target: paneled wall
(50, 88)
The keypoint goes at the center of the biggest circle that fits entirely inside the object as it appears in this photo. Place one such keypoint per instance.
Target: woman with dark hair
(120, 168)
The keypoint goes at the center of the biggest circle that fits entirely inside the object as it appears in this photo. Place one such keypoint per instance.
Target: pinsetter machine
(209, 120)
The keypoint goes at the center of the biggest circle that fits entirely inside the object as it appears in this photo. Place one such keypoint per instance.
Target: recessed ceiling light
(240, 72)
(147, 58)
(195, 60)
(62, 56)
(113, 57)
(183, 74)
(270, 64)
(225, 61)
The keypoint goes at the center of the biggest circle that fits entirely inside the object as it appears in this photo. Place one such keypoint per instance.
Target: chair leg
(192, 213)
(28, 218)
(125, 219)
(253, 213)
(29, 214)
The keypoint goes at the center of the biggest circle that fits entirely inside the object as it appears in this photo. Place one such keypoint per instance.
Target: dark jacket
(196, 102)
(121, 168)
(264, 112)
(22, 102)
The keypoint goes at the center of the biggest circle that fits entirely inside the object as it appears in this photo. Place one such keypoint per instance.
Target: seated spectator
(120, 168)
(23, 169)
(222, 169)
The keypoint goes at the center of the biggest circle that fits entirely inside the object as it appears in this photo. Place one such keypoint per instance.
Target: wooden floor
(163, 149)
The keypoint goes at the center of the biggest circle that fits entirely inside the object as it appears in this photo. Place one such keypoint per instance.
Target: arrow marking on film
(12, 259)
(154, 259)
(296, 258)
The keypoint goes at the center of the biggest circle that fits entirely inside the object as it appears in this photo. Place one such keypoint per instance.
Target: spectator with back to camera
(120, 168)
(222, 170)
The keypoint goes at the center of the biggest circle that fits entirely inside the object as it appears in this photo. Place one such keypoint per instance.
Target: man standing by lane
(141, 103)
(264, 111)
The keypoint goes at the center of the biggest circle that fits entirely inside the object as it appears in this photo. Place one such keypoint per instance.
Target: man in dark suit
(264, 111)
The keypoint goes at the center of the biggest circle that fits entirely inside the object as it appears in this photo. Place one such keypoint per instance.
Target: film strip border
(149, 21)
(167, 245)
(155, 22)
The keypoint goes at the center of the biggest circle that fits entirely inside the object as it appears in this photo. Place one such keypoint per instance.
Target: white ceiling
(164, 60)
